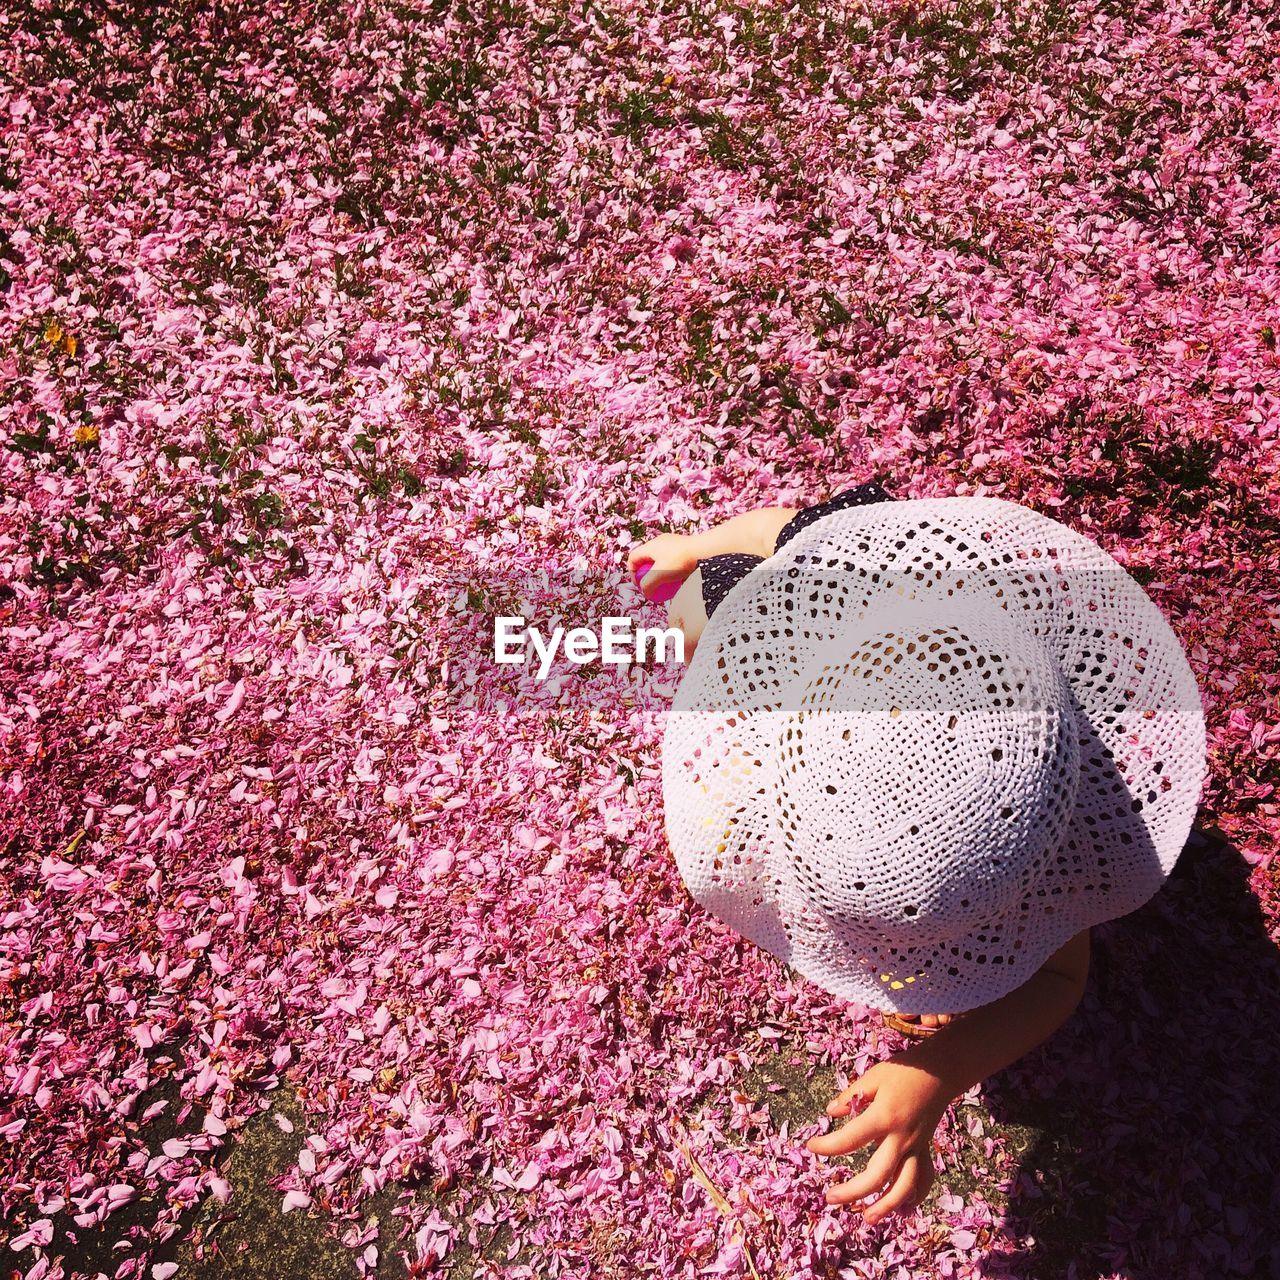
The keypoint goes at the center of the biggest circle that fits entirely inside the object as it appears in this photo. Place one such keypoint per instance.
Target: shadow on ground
(1151, 1118)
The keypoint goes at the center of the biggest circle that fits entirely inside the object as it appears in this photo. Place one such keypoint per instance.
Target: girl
(808, 907)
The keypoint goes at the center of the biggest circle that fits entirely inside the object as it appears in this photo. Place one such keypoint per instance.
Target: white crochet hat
(926, 743)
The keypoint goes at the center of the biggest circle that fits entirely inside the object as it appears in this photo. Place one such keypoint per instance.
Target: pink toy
(666, 591)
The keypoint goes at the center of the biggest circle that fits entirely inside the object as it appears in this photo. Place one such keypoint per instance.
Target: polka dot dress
(720, 574)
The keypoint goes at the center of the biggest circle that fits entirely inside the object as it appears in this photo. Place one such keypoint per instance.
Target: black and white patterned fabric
(720, 574)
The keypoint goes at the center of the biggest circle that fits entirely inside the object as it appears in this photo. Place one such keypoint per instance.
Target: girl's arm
(676, 555)
(898, 1103)
(754, 532)
(979, 1043)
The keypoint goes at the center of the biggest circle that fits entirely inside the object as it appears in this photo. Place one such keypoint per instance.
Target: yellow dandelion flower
(87, 435)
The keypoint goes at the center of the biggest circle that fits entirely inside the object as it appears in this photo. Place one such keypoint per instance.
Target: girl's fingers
(852, 1135)
(662, 564)
(881, 1168)
(672, 549)
(645, 551)
(655, 578)
(902, 1196)
(857, 1094)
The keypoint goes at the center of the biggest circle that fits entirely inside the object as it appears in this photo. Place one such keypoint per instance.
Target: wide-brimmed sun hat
(925, 744)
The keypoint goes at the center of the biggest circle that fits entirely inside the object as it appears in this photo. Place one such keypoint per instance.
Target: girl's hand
(900, 1107)
(673, 556)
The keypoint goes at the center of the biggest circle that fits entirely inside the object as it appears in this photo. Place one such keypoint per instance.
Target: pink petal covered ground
(327, 336)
